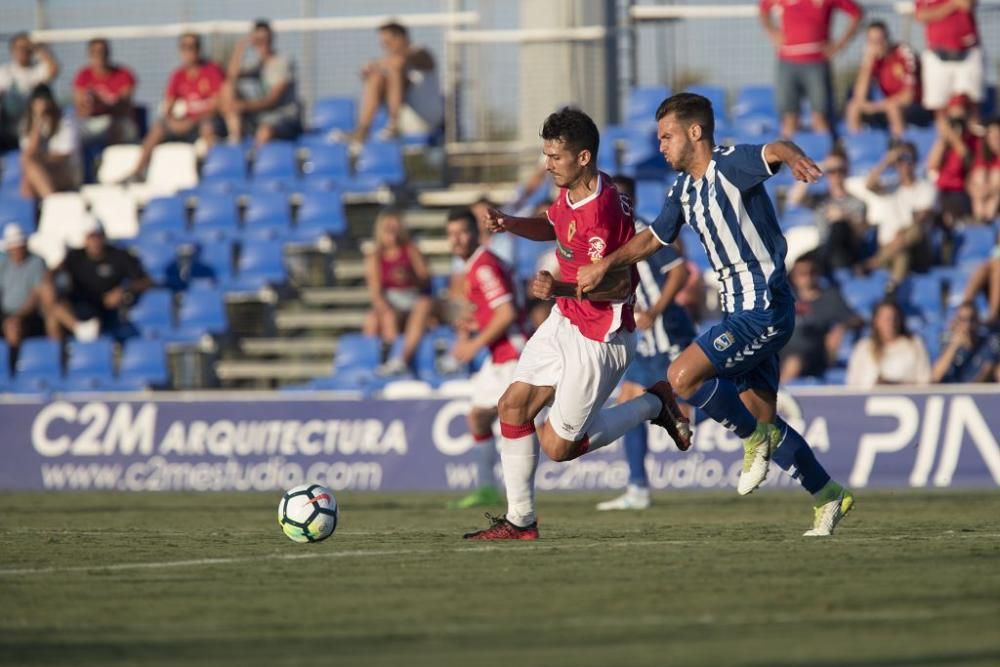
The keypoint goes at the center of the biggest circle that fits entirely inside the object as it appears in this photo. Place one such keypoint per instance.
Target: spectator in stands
(398, 281)
(190, 103)
(804, 53)
(984, 181)
(840, 216)
(952, 62)
(102, 95)
(26, 292)
(50, 147)
(18, 79)
(985, 280)
(894, 68)
(405, 81)
(103, 279)
(891, 355)
(902, 213)
(822, 317)
(971, 353)
(950, 163)
(260, 100)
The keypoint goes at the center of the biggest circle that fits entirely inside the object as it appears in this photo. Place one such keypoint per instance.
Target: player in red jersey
(495, 322)
(579, 354)
(952, 62)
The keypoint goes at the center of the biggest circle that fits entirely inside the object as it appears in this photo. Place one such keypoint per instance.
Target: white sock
(486, 460)
(519, 458)
(614, 422)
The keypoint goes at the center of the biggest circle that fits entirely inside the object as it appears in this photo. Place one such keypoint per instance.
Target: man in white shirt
(17, 79)
(902, 213)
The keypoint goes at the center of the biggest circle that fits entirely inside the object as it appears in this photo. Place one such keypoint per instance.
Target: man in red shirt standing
(190, 103)
(102, 95)
(577, 356)
(804, 52)
(894, 68)
(952, 61)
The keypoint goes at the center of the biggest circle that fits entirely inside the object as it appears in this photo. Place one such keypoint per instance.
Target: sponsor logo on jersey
(563, 250)
(723, 342)
(596, 249)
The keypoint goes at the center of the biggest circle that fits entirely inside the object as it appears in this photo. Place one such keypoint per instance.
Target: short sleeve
(670, 259)
(744, 165)
(128, 77)
(492, 283)
(172, 90)
(668, 223)
(80, 81)
(133, 268)
(849, 7)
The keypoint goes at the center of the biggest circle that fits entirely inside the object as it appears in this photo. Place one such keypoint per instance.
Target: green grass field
(185, 579)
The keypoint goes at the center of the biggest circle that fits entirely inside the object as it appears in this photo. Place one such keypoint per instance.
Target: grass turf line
(208, 579)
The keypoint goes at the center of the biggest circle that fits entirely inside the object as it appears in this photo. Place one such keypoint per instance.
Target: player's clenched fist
(495, 221)
(543, 285)
(588, 277)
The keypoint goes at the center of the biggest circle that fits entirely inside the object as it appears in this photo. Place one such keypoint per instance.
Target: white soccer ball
(308, 513)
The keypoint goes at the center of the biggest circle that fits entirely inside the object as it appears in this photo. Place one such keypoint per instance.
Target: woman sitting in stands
(399, 284)
(50, 147)
(891, 355)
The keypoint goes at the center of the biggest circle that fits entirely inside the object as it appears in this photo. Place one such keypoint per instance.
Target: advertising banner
(886, 440)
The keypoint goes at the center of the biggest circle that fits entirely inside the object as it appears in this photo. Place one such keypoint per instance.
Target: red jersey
(398, 272)
(586, 231)
(805, 25)
(196, 88)
(489, 283)
(953, 170)
(107, 88)
(898, 71)
(955, 32)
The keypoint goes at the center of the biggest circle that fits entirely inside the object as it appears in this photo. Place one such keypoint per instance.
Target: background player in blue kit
(731, 372)
(664, 330)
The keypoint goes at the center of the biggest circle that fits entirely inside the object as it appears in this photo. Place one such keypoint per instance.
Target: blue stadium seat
(144, 362)
(10, 171)
(643, 102)
(333, 113)
(865, 147)
(224, 164)
(814, 144)
(642, 158)
(380, 164)
(215, 217)
(152, 316)
(975, 243)
(797, 216)
(14, 208)
(164, 217)
(39, 363)
(90, 361)
(649, 196)
(320, 213)
(355, 350)
(275, 160)
(716, 95)
(329, 161)
(921, 137)
(261, 263)
(759, 99)
(156, 257)
(4, 364)
(202, 311)
(433, 347)
(268, 216)
(214, 261)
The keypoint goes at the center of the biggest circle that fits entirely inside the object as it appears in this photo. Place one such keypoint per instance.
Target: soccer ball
(308, 513)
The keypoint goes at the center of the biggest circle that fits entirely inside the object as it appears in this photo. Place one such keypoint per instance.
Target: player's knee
(678, 377)
(558, 449)
(510, 409)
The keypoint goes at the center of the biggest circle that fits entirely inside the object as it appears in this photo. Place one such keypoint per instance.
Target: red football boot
(671, 418)
(502, 529)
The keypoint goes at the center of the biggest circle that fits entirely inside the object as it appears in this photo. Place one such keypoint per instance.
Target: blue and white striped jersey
(673, 330)
(734, 217)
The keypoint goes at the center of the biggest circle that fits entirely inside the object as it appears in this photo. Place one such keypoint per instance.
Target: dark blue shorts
(744, 347)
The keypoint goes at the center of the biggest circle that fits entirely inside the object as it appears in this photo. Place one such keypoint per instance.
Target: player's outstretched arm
(802, 166)
(536, 229)
(641, 246)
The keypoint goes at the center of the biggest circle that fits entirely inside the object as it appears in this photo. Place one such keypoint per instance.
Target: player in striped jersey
(731, 371)
(663, 330)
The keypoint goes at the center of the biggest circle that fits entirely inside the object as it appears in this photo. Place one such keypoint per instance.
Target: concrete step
(340, 319)
(354, 269)
(464, 196)
(297, 347)
(231, 370)
(335, 296)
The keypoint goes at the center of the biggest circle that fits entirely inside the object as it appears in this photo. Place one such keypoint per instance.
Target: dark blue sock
(720, 401)
(636, 446)
(795, 456)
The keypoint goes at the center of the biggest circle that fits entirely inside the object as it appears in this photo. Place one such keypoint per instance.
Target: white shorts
(583, 372)
(943, 79)
(491, 382)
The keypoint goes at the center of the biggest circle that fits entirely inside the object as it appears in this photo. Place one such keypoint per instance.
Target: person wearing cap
(26, 293)
(103, 279)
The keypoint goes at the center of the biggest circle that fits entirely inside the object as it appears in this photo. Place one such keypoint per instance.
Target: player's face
(675, 145)
(885, 321)
(391, 43)
(460, 238)
(877, 42)
(565, 166)
(189, 51)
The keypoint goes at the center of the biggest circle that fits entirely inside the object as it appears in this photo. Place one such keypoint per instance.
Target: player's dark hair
(396, 28)
(574, 128)
(910, 148)
(625, 185)
(878, 344)
(16, 36)
(191, 35)
(879, 25)
(100, 40)
(262, 24)
(690, 108)
(465, 214)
